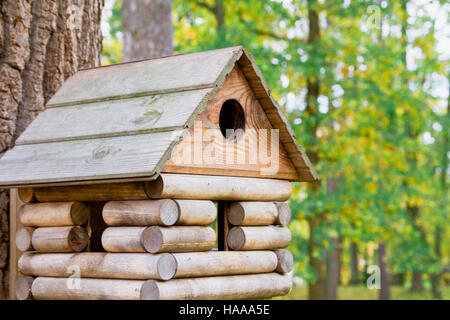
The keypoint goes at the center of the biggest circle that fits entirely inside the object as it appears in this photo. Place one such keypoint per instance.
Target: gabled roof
(122, 121)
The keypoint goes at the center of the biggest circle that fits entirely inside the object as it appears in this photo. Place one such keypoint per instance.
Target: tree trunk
(147, 29)
(417, 283)
(333, 270)
(384, 276)
(354, 278)
(42, 43)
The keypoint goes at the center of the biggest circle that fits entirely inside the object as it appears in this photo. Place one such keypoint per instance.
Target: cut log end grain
(155, 188)
(253, 286)
(236, 214)
(258, 238)
(178, 239)
(236, 238)
(141, 213)
(284, 213)
(79, 212)
(166, 266)
(26, 195)
(78, 239)
(60, 239)
(23, 239)
(285, 261)
(22, 288)
(52, 214)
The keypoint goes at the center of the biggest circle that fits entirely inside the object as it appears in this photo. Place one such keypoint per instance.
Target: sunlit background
(365, 85)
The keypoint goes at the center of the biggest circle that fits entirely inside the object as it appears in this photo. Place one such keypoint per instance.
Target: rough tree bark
(42, 43)
(147, 29)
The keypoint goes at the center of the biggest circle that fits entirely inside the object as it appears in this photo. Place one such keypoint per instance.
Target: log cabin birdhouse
(158, 179)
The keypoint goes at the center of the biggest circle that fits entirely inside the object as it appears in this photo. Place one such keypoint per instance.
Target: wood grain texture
(139, 266)
(92, 192)
(124, 239)
(126, 156)
(254, 286)
(252, 213)
(179, 239)
(49, 288)
(206, 151)
(155, 75)
(184, 186)
(219, 263)
(118, 117)
(60, 239)
(258, 238)
(54, 214)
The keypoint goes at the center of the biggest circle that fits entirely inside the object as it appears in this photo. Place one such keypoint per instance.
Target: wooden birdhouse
(158, 179)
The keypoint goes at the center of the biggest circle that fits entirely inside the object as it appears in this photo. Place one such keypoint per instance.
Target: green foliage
(367, 126)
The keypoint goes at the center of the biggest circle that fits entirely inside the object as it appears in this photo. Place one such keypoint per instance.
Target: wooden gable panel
(203, 149)
(115, 117)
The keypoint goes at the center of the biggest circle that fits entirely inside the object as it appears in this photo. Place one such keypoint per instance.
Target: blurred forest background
(365, 85)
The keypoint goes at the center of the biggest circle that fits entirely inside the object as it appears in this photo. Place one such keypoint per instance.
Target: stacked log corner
(158, 242)
(54, 227)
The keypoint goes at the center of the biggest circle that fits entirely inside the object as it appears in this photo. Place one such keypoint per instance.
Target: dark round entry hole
(232, 120)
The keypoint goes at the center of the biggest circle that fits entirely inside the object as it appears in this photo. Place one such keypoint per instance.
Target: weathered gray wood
(118, 117)
(139, 266)
(22, 288)
(285, 261)
(258, 238)
(54, 214)
(196, 212)
(179, 239)
(23, 239)
(284, 213)
(103, 158)
(254, 286)
(186, 186)
(164, 212)
(157, 75)
(252, 213)
(219, 263)
(123, 239)
(59, 239)
(49, 288)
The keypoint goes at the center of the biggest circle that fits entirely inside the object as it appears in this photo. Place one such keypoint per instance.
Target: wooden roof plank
(104, 158)
(195, 70)
(116, 117)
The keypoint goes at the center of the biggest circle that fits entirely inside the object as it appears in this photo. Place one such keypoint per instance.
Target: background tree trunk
(354, 278)
(384, 283)
(147, 29)
(42, 43)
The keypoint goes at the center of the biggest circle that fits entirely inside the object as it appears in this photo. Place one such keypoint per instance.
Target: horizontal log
(53, 214)
(165, 212)
(220, 263)
(139, 266)
(196, 212)
(184, 186)
(123, 239)
(258, 238)
(60, 239)
(252, 213)
(284, 213)
(254, 286)
(22, 288)
(285, 261)
(49, 288)
(179, 239)
(92, 192)
(23, 239)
